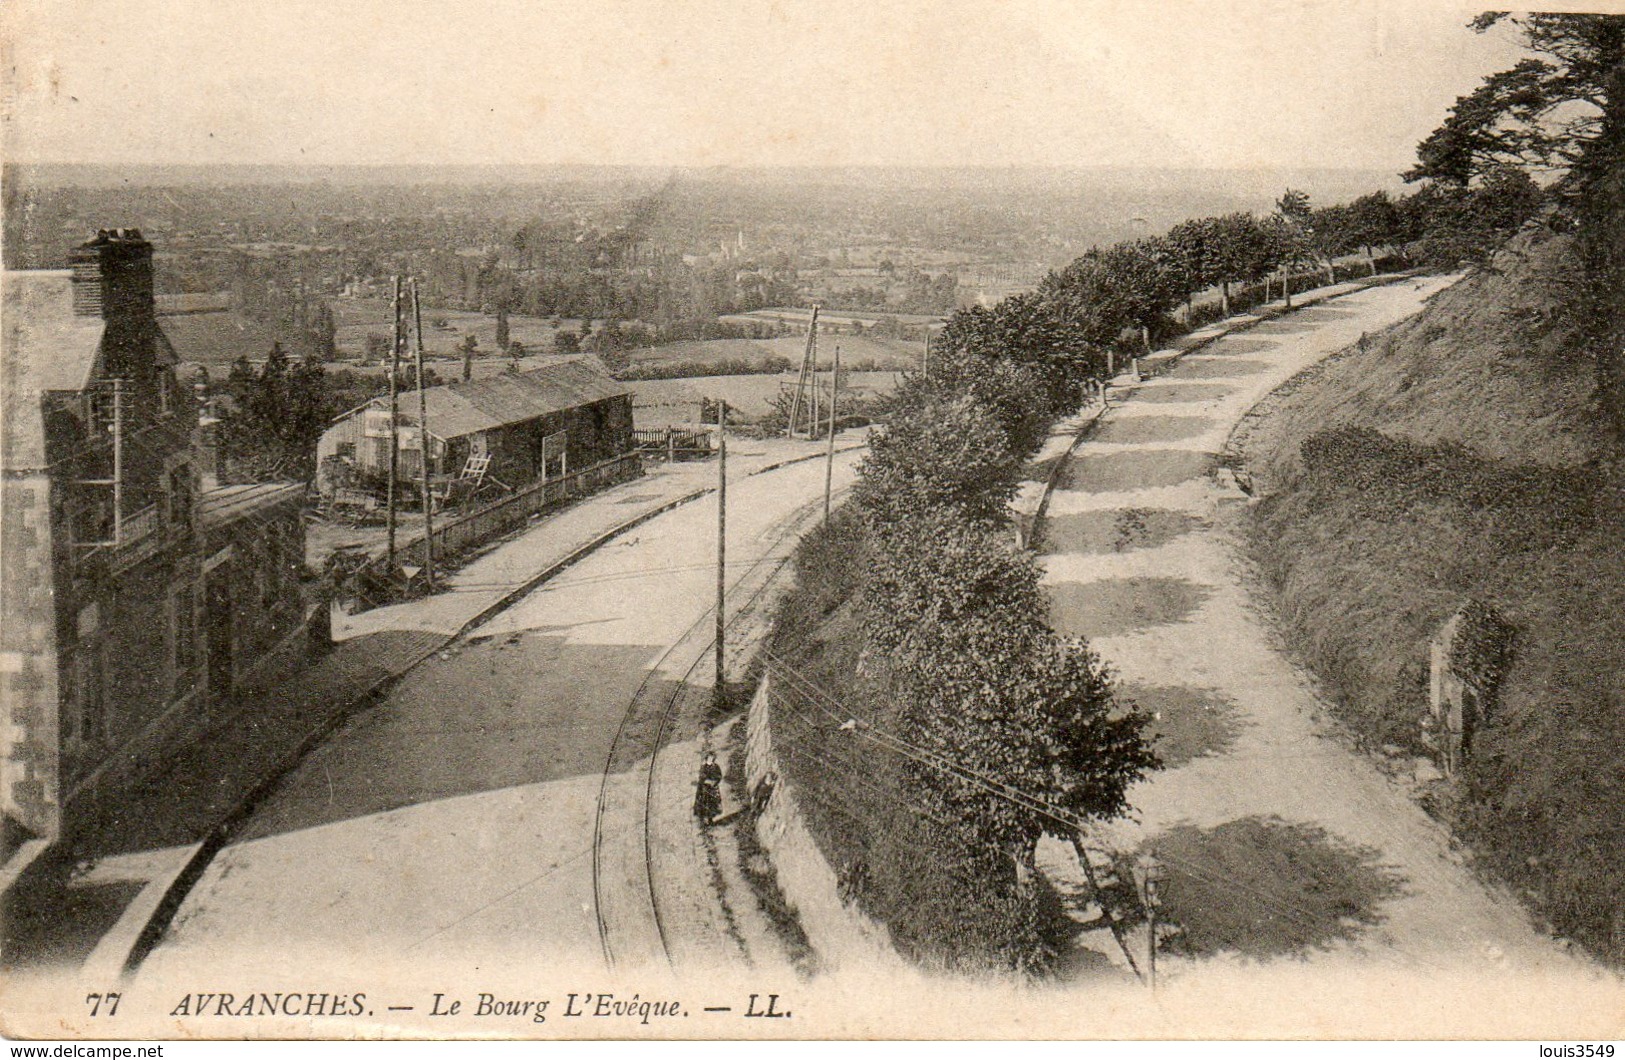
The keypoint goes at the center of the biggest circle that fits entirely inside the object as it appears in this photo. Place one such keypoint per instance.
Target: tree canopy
(1542, 115)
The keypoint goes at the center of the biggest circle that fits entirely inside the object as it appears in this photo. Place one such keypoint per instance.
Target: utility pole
(834, 401)
(118, 461)
(812, 416)
(807, 360)
(925, 355)
(423, 439)
(719, 693)
(394, 413)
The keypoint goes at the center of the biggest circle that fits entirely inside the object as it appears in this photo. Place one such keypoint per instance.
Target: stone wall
(839, 933)
(29, 771)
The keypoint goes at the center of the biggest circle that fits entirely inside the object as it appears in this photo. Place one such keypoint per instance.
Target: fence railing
(459, 533)
(673, 440)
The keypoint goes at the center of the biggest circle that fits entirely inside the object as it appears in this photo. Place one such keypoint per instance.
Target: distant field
(356, 318)
(663, 402)
(794, 316)
(889, 353)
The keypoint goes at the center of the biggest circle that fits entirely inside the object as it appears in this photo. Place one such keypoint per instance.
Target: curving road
(452, 825)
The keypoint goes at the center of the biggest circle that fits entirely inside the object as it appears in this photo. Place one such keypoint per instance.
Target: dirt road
(1277, 839)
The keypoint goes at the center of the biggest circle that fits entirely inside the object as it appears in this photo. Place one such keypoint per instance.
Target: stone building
(133, 604)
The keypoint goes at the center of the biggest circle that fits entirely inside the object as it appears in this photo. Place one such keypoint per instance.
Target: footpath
(1287, 857)
(123, 882)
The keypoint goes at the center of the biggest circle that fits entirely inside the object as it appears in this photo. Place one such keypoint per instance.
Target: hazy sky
(766, 82)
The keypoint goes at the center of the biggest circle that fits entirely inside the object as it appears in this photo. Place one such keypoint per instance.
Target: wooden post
(423, 439)
(812, 409)
(829, 457)
(118, 462)
(394, 412)
(808, 358)
(719, 693)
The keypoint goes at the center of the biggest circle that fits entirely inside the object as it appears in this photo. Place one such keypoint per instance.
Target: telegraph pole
(829, 456)
(812, 415)
(720, 692)
(118, 461)
(394, 413)
(808, 358)
(423, 439)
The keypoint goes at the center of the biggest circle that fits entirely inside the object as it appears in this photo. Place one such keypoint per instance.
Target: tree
(993, 699)
(1465, 224)
(272, 418)
(1194, 255)
(1294, 235)
(323, 331)
(1372, 221)
(1544, 114)
(941, 453)
(502, 326)
(1243, 253)
(1023, 359)
(1294, 206)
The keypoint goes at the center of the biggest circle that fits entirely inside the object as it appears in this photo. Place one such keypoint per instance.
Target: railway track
(631, 919)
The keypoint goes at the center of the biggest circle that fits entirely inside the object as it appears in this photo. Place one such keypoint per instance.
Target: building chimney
(112, 275)
(112, 279)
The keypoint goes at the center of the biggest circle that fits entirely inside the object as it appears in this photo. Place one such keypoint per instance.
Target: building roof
(460, 409)
(219, 338)
(59, 348)
(192, 302)
(43, 347)
(226, 504)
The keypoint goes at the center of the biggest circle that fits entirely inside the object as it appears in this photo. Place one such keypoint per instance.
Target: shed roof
(460, 409)
(226, 504)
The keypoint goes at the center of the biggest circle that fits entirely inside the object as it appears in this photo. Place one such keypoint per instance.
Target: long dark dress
(708, 793)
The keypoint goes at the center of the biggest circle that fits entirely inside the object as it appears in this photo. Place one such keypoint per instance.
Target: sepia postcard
(705, 520)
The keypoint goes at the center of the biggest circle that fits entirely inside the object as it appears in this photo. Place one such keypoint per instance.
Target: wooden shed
(521, 426)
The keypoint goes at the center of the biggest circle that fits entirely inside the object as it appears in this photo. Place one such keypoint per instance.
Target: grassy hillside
(1462, 455)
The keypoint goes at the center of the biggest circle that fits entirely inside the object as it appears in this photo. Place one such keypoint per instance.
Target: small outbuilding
(517, 428)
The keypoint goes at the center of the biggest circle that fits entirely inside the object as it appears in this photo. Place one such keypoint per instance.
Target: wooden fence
(370, 583)
(674, 441)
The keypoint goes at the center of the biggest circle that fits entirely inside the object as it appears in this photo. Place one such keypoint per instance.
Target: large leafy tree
(1013, 729)
(939, 454)
(1194, 254)
(1543, 115)
(1243, 254)
(273, 417)
(1371, 221)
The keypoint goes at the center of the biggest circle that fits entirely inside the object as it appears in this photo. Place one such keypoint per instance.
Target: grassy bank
(1460, 457)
